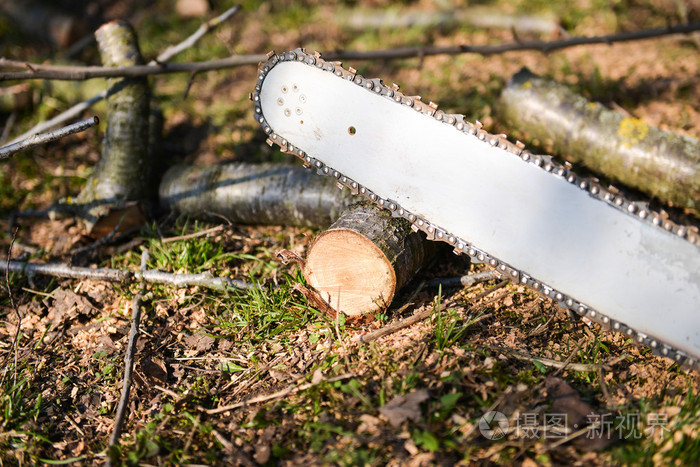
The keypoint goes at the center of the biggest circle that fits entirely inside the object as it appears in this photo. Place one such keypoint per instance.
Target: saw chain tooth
(591, 185)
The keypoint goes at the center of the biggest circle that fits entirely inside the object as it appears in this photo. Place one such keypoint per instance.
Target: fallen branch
(77, 73)
(264, 194)
(153, 276)
(662, 164)
(128, 364)
(166, 55)
(43, 138)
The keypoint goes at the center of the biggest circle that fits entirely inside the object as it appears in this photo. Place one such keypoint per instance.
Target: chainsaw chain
(592, 186)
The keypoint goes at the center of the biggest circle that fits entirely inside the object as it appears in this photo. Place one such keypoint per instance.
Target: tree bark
(122, 174)
(272, 194)
(662, 164)
(359, 263)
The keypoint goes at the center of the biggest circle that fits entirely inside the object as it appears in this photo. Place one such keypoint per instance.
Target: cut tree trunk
(662, 164)
(122, 174)
(359, 263)
(263, 194)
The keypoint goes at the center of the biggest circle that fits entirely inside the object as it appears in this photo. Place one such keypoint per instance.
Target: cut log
(262, 194)
(122, 174)
(659, 163)
(359, 263)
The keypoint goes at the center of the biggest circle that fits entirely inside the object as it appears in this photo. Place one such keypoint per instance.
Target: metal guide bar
(609, 195)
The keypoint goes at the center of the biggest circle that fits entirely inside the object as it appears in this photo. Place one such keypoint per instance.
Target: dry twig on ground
(151, 276)
(128, 361)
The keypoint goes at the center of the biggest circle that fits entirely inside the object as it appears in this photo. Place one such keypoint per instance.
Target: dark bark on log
(662, 164)
(122, 174)
(273, 194)
(359, 263)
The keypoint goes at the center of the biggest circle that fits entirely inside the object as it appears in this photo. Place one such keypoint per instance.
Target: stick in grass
(152, 276)
(128, 363)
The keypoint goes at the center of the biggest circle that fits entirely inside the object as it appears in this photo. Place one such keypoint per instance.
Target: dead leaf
(106, 344)
(200, 342)
(404, 407)
(65, 300)
(155, 368)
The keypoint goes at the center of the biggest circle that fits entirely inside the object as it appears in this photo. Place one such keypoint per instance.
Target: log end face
(350, 272)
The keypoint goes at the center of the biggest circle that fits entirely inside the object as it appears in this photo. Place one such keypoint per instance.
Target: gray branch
(206, 280)
(166, 55)
(43, 138)
(77, 73)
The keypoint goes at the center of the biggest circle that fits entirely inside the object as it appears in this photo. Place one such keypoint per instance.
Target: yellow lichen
(527, 85)
(632, 131)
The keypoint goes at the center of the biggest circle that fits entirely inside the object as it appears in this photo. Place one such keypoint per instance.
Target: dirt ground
(300, 387)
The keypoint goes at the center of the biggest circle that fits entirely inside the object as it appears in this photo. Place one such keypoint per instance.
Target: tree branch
(166, 55)
(59, 72)
(43, 138)
(152, 276)
(128, 361)
(171, 51)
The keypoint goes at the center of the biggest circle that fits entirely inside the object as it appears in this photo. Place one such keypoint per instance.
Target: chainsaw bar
(587, 247)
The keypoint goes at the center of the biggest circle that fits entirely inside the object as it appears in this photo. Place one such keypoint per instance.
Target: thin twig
(592, 427)
(277, 395)
(14, 307)
(174, 50)
(153, 276)
(166, 55)
(77, 73)
(583, 367)
(568, 359)
(393, 327)
(128, 361)
(43, 138)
